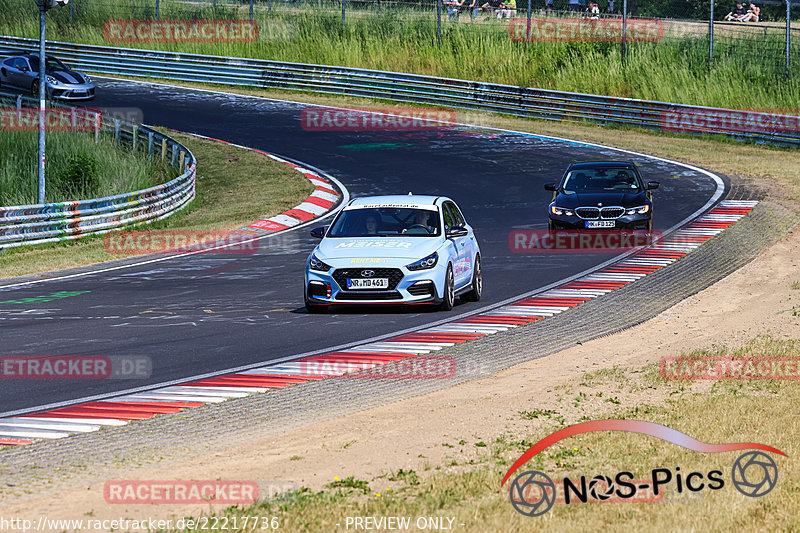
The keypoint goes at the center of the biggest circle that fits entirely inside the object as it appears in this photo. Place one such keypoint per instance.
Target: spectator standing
(574, 5)
(508, 9)
(610, 6)
(474, 9)
(548, 6)
(452, 8)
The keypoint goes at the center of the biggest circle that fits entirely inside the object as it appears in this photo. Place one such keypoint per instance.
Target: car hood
(67, 76)
(624, 199)
(377, 247)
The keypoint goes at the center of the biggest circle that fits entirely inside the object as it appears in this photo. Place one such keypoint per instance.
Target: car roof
(399, 200)
(602, 164)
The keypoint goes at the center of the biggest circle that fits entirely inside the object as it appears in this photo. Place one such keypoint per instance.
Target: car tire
(474, 294)
(449, 296)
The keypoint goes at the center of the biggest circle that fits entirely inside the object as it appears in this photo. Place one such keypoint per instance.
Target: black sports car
(22, 71)
(601, 195)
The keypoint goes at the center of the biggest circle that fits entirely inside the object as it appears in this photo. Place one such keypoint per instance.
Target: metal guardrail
(53, 222)
(757, 126)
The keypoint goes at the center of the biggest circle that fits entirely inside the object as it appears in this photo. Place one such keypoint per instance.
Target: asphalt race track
(206, 313)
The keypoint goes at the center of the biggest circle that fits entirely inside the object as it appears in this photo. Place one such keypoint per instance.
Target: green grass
(235, 187)
(747, 72)
(77, 168)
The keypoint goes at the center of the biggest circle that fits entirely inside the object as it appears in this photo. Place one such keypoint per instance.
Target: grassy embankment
(747, 72)
(469, 489)
(235, 187)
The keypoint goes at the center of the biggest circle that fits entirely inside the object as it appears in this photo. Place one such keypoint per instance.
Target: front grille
(612, 212)
(421, 288)
(393, 274)
(352, 295)
(594, 212)
(588, 212)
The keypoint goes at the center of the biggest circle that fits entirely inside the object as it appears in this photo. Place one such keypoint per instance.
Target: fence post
(174, 149)
(150, 144)
(163, 149)
(344, 3)
(157, 6)
(530, 10)
(438, 21)
(70, 11)
(251, 9)
(711, 32)
(135, 136)
(269, 7)
(116, 131)
(624, 26)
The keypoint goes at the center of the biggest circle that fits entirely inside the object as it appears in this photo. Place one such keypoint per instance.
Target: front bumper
(631, 222)
(412, 288)
(71, 92)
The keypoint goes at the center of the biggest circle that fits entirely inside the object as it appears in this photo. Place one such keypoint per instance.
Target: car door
(23, 75)
(12, 73)
(471, 243)
(461, 268)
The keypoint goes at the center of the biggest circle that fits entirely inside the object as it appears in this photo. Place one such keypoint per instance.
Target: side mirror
(457, 231)
(23, 68)
(319, 232)
(651, 185)
(550, 186)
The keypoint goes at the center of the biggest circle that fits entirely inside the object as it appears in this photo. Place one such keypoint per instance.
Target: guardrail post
(116, 131)
(163, 149)
(97, 125)
(73, 118)
(174, 149)
(788, 33)
(182, 161)
(19, 101)
(150, 144)
(135, 136)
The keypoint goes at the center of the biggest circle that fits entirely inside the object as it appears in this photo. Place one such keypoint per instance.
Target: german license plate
(600, 224)
(368, 283)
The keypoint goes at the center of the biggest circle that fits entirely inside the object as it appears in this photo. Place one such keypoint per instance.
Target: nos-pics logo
(533, 493)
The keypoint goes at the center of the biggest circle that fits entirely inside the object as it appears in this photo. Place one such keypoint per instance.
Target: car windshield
(386, 222)
(50, 63)
(601, 180)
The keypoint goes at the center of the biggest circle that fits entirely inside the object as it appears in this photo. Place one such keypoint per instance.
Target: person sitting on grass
(492, 7)
(508, 9)
(752, 14)
(452, 8)
(474, 8)
(737, 13)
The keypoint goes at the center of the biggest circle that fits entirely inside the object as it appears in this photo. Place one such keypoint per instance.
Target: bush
(77, 177)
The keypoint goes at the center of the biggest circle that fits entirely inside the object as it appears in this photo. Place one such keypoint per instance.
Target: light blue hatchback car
(394, 250)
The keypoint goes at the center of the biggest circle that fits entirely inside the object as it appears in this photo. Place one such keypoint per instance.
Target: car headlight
(642, 210)
(560, 211)
(315, 264)
(87, 78)
(424, 263)
(51, 80)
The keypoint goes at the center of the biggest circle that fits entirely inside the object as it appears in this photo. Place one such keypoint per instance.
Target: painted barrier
(41, 223)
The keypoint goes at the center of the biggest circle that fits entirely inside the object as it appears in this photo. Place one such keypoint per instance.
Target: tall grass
(76, 168)
(747, 71)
